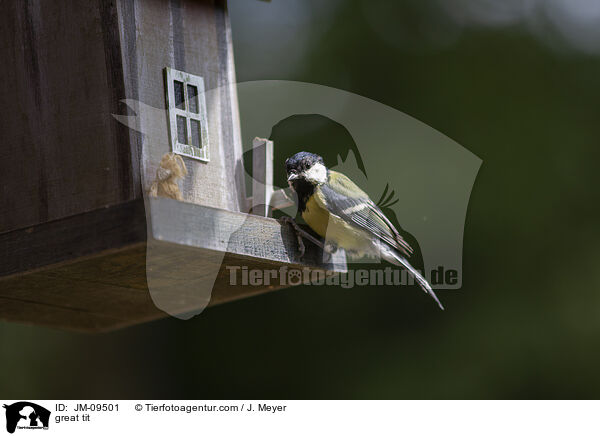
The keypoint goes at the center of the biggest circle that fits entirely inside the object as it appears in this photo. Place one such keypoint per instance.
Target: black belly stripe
(304, 190)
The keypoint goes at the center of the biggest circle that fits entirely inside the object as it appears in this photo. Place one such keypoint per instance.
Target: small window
(186, 106)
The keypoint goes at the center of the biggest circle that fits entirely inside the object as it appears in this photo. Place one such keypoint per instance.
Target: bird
(341, 213)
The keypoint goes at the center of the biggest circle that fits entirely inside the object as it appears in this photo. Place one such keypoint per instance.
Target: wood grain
(191, 36)
(262, 176)
(62, 153)
(108, 264)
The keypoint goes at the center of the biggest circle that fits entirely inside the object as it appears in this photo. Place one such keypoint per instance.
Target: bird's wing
(354, 206)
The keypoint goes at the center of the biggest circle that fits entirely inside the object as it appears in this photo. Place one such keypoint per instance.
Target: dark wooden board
(72, 237)
(62, 152)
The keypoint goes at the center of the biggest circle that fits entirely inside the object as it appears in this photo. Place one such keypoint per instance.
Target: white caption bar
(265, 418)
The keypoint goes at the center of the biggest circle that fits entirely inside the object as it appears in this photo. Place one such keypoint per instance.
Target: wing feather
(354, 206)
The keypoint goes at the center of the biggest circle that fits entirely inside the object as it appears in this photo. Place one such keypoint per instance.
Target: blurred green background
(515, 82)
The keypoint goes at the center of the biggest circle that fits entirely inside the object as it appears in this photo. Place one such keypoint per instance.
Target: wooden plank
(96, 293)
(187, 224)
(62, 153)
(192, 36)
(109, 291)
(72, 297)
(229, 110)
(55, 290)
(262, 176)
(34, 313)
(53, 279)
(128, 43)
(72, 237)
(181, 223)
(124, 268)
(281, 199)
(125, 166)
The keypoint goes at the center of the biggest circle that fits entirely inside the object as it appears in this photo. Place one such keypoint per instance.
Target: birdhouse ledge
(60, 274)
(235, 234)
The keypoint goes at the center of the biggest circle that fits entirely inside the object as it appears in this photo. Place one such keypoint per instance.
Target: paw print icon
(294, 277)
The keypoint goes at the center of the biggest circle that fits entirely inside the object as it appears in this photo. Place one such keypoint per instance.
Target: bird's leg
(300, 233)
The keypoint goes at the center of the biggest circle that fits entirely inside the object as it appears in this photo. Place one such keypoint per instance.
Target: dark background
(518, 86)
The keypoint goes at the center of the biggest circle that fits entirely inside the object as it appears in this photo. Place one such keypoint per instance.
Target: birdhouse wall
(68, 65)
(194, 37)
(62, 153)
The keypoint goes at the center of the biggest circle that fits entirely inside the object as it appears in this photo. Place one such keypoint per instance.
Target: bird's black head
(305, 171)
(306, 166)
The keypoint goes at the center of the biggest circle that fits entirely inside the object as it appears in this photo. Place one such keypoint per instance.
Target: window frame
(199, 153)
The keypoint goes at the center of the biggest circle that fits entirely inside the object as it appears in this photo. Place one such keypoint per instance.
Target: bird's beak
(292, 177)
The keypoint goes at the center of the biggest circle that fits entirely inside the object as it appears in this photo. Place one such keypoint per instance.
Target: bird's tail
(398, 259)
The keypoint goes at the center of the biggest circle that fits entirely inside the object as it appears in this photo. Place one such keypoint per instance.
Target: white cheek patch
(316, 174)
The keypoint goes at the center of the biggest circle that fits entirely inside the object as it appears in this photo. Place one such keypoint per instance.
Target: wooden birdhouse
(123, 187)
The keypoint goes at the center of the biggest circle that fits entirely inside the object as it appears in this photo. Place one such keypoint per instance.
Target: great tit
(344, 216)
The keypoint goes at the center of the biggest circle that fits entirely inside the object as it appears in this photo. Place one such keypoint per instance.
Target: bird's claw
(328, 247)
(298, 231)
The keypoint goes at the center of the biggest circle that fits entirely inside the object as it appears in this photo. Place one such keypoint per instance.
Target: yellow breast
(331, 227)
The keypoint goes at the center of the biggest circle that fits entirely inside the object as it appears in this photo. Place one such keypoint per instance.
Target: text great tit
(343, 215)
